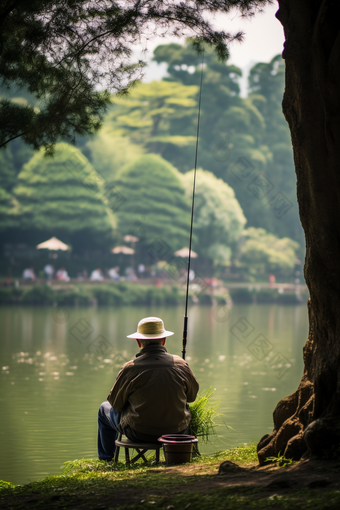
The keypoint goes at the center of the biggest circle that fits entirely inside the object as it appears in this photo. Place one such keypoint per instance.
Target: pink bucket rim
(177, 439)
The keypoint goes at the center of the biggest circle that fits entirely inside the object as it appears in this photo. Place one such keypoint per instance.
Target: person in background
(130, 274)
(141, 270)
(97, 275)
(49, 271)
(28, 274)
(150, 395)
(113, 273)
(62, 275)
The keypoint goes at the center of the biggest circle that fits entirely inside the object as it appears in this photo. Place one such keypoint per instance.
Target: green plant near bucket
(203, 415)
(281, 460)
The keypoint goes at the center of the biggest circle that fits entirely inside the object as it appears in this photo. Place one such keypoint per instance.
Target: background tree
(266, 86)
(308, 421)
(60, 52)
(157, 115)
(233, 127)
(63, 196)
(8, 173)
(8, 211)
(156, 204)
(219, 219)
(108, 153)
(265, 252)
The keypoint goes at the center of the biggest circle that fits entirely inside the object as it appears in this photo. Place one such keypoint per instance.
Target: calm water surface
(57, 368)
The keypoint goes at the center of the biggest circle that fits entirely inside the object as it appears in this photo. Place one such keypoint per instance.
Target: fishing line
(185, 326)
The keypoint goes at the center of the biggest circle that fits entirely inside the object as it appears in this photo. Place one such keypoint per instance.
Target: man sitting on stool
(150, 395)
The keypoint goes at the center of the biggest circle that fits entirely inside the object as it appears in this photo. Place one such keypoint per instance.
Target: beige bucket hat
(150, 328)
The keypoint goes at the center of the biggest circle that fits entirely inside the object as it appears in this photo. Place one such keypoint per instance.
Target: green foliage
(233, 127)
(246, 295)
(243, 454)
(76, 296)
(123, 293)
(241, 295)
(8, 178)
(106, 294)
(281, 460)
(219, 219)
(62, 195)
(203, 416)
(150, 113)
(154, 192)
(8, 210)
(266, 86)
(161, 117)
(38, 294)
(108, 153)
(7, 169)
(6, 485)
(266, 252)
(60, 54)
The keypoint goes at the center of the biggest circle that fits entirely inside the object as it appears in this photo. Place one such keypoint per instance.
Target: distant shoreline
(144, 292)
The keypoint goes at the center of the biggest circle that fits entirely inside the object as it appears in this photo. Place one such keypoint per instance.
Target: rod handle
(185, 335)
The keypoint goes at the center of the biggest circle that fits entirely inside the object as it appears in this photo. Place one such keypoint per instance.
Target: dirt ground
(200, 479)
(309, 474)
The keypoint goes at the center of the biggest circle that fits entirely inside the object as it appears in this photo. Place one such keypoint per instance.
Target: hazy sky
(262, 41)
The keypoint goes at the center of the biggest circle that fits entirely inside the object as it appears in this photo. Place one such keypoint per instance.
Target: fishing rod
(185, 326)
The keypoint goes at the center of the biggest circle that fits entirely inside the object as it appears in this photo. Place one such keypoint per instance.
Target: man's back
(150, 395)
(152, 390)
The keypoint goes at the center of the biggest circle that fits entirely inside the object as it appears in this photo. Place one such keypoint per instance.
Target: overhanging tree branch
(46, 46)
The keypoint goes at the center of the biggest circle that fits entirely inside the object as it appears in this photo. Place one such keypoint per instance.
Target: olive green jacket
(152, 390)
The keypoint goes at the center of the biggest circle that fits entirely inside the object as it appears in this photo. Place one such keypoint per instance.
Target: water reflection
(52, 382)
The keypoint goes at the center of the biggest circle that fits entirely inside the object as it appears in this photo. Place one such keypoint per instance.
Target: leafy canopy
(109, 152)
(219, 220)
(8, 210)
(236, 133)
(147, 115)
(265, 251)
(63, 194)
(156, 205)
(64, 53)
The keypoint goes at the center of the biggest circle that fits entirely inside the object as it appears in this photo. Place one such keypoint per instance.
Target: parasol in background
(53, 244)
(131, 239)
(184, 253)
(125, 250)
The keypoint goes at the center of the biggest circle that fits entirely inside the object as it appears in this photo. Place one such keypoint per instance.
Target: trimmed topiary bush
(242, 295)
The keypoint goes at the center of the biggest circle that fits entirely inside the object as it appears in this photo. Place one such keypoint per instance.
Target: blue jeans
(108, 429)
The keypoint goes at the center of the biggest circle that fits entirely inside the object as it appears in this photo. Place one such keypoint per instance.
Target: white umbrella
(131, 239)
(123, 249)
(53, 244)
(184, 252)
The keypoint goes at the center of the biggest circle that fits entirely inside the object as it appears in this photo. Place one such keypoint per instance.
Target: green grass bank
(91, 484)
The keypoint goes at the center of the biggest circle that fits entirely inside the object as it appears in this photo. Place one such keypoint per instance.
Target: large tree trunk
(308, 421)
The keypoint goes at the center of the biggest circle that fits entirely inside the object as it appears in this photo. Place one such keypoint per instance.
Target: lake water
(57, 366)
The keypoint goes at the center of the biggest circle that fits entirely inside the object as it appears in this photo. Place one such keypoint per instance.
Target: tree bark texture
(308, 421)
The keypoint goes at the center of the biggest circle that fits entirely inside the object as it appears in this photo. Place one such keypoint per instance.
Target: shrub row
(87, 295)
(245, 295)
(122, 293)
